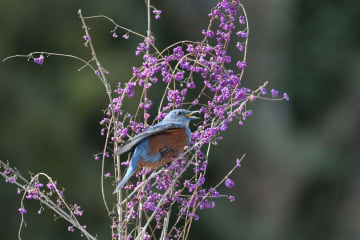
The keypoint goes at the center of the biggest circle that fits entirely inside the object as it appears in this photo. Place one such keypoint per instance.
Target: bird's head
(181, 115)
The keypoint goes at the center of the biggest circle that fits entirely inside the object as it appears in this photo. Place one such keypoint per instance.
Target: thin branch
(116, 25)
(93, 53)
(46, 201)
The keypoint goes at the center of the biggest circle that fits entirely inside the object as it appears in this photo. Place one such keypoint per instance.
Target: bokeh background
(300, 179)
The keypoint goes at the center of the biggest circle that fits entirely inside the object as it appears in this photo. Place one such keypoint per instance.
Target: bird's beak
(190, 115)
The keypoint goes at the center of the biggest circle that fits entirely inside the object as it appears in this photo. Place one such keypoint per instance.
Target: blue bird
(158, 144)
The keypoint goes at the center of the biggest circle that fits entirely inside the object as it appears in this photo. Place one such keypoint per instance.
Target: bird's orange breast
(175, 139)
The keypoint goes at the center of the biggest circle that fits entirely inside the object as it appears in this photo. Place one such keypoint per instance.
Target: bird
(158, 144)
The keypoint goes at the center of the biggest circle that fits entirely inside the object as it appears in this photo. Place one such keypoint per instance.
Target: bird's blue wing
(157, 128)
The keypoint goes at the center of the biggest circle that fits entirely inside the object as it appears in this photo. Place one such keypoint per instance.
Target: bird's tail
(130, 171)
(133, 167)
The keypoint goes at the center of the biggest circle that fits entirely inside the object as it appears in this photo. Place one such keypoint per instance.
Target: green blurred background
(300, 177)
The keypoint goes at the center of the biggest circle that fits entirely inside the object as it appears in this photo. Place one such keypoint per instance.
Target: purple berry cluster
(39, 60)
(194, 75)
